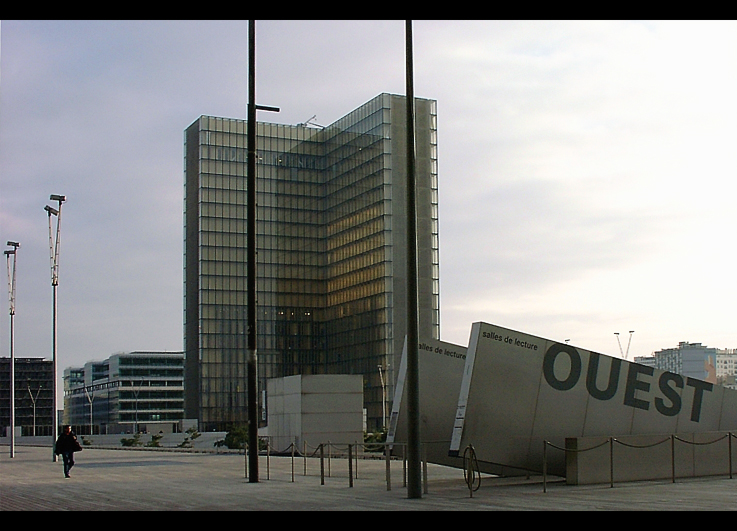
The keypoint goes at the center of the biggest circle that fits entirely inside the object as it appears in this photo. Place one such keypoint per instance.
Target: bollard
(292, 462)
(322, 465)
(350, 465)
(304, 457)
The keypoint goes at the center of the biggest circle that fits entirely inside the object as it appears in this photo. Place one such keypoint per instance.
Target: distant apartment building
(34, 394)
(688, 359)
(727, 368)
(126, 393)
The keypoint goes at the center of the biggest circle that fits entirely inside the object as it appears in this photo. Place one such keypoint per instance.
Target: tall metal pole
(54, 250)
(414, 471)
(11, 296)
(252, 361)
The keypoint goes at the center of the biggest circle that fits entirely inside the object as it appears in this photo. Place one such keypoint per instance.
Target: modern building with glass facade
(126, 393)
(34, 396)
(331, 253)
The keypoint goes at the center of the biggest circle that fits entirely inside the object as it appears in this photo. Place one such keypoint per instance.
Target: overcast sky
(587, 170)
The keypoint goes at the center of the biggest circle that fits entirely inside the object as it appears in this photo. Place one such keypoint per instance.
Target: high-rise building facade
(332, 253)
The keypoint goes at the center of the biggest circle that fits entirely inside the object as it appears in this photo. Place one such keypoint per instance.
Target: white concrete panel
(332, 403)
(440, 372)
(519, 390)
(324, 384)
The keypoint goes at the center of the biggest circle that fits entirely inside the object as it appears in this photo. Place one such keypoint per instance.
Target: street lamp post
(414, 477)
(383, 397)
(33, 401)
(11, 295)
(252, 358)
(54, 251)
(624, 354)
(90, 398)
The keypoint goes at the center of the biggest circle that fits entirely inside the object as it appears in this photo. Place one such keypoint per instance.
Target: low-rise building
(126, 393)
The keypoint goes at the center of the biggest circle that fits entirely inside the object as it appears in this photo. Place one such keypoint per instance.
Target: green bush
(134, 441)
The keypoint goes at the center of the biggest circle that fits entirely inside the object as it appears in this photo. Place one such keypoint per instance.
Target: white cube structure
(313, 410)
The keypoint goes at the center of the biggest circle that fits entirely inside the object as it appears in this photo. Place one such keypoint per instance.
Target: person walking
(65, 446)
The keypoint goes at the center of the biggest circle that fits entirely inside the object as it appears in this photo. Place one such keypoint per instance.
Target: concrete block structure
(314, 409)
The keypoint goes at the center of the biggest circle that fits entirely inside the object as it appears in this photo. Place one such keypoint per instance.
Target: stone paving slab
(130, 480)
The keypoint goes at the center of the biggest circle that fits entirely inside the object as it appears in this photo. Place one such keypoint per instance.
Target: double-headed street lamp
(11, 295)
(33, 400)
(54, 250)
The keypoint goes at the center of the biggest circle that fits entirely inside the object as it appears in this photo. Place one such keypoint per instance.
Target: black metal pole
(251, 259)
(414, 482)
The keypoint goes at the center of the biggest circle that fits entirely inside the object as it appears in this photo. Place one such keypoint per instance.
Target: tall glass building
(332, 253)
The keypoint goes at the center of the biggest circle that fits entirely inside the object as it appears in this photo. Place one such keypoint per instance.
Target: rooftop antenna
(311, 123)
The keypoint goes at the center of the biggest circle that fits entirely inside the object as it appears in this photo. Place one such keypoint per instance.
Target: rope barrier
(612, 440)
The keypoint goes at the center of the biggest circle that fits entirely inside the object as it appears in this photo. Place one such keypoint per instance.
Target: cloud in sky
(586, 168)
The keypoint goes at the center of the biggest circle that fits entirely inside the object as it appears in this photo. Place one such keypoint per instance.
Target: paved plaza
(153, 480)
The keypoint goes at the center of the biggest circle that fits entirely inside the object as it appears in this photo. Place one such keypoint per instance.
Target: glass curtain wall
(326, 249)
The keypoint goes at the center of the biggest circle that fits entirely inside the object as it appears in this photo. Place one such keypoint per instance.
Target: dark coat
(67, 443)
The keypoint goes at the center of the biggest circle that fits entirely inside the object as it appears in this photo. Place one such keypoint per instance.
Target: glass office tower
(331, 244)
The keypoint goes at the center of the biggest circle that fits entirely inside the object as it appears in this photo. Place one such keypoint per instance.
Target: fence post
(304, 458)
(611, 462)
(322, 465)
(268, 458)
(350, 465)
(388, 467)
(292, 462)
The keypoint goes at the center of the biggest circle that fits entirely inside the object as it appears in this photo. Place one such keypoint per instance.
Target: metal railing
(672, 438)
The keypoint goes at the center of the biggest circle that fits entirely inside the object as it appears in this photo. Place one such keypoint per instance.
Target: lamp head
(60, 198)
(14, 244)
(51, 210)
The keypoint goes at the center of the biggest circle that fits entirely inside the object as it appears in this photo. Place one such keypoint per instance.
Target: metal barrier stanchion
(673, 458)
(387, 457)
(729, 438)
(611, 462)
(322, 465)
(404, 465)
(350, 465)
(424, 467)
(545, 466)
(292, 446)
